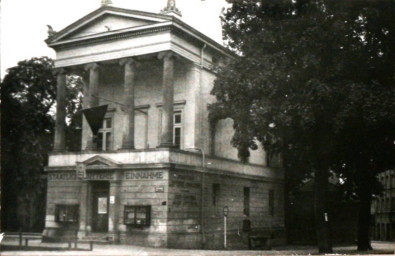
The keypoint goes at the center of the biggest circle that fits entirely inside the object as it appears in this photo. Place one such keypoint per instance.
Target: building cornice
(165, 23)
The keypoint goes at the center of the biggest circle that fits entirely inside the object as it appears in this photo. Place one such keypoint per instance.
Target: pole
(225, 232)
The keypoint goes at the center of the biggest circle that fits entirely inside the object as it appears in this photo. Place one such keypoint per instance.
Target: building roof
(133, 22)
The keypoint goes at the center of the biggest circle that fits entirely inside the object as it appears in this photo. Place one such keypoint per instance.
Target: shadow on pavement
(37, 248)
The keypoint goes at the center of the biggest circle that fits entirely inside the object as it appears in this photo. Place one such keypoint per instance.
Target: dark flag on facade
(95, 117)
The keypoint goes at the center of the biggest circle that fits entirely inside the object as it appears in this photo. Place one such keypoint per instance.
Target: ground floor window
(216, 189)
(137, 215)
(66, 213)
(271, 202)
(246, 193)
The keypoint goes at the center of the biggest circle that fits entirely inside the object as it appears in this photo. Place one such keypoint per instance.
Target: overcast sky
(23, 22)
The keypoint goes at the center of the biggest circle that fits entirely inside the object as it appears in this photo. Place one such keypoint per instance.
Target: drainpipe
(201, 95)
(202, 203)
(201, 195)
(201, 146)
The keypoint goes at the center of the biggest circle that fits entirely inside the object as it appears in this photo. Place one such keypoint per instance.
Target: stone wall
(145, 191)
(231, 194)
(184, 209)
(63, 188)
(184, 225)
(178, 218)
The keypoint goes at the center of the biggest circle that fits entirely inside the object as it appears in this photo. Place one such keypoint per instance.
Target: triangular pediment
(100, 161)
(107, 20)
(108, 23)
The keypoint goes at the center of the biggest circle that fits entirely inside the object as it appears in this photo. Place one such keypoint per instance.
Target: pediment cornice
(106, 10)
(100, 161)
(159, 23)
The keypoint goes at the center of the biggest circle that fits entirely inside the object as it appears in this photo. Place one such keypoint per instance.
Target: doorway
(100, 195)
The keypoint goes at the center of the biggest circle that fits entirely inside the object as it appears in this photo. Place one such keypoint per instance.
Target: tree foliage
(314, 81)
(27, 106)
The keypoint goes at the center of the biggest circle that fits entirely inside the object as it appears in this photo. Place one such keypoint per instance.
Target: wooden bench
(259, 240)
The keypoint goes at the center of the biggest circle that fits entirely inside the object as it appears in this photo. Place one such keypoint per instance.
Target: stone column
(166, 139)
(93, 69)
(60, 125)
(129, 84)
(83, 209)
(114, 210)
(93, 93)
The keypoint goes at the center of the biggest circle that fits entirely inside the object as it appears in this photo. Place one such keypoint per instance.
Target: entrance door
(100, 191)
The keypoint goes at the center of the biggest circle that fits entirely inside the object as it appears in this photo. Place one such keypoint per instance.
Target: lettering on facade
(99, 176)
(144, 175)
(61, 176)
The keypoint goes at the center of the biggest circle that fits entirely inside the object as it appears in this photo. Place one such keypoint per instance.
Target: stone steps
(97, 238)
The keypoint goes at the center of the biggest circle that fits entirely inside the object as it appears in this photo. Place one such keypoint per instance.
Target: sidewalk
(381, 248)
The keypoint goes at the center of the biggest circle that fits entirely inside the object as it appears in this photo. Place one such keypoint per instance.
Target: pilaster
(83, 209)
(114, 209)
(193, 107)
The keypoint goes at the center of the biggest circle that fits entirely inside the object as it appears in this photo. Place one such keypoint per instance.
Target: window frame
(178, 125)
(105, 131)
(178, 108)
(271, 202)
(133, 208)
(72, 209)
(216, 193)
(246, 200)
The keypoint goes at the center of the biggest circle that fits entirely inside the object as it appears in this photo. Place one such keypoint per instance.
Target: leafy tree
(309, 74)
(27, 105)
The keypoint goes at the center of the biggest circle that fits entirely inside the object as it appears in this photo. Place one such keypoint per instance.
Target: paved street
(381, 248)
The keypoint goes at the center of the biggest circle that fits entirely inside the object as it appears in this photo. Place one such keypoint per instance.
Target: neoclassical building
(152, 170)
(383, 209)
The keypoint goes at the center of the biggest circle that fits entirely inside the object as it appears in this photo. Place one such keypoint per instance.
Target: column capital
(59, 71)
(80, 72)
(92, 66)
(167, 55)
(193, 66)
(129, 61)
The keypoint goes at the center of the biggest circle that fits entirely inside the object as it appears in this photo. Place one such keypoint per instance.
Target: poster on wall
(102, 205)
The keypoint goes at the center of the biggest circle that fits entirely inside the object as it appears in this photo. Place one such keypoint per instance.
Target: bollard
(69, 245)
(26, 241)
(90, 245)
(75, 244)
(20, 238)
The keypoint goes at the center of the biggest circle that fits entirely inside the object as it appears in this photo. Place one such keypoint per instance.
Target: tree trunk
(321, 215)
(365, 197)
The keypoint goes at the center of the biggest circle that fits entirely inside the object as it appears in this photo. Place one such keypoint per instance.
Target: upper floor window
(177, 129)
(104, 141)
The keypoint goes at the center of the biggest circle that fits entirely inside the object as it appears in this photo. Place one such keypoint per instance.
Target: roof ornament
(171, 8)
(106, 2)
(51, 31)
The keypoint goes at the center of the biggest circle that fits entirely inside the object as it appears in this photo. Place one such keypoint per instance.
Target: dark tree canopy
(28, 95)
(313, 81)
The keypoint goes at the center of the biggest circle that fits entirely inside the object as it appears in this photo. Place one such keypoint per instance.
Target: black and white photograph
(197, 127)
